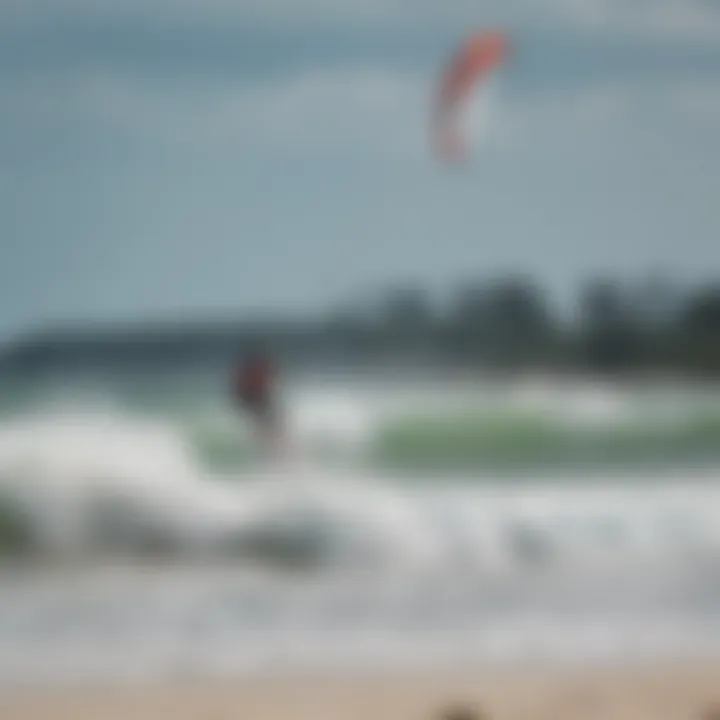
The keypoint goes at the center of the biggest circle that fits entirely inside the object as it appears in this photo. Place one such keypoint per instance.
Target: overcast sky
(175, 157)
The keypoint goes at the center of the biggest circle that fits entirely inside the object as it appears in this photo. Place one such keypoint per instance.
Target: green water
(525, 441)
(490, 433)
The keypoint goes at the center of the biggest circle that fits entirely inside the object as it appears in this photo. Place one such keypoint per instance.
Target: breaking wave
(186, 552)
(89, 478)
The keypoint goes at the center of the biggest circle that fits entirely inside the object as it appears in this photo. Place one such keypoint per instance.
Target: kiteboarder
(253, 389)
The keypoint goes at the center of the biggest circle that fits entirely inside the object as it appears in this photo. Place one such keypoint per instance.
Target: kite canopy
(476, 60)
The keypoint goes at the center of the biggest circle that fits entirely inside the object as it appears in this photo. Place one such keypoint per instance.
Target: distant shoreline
(506, 325)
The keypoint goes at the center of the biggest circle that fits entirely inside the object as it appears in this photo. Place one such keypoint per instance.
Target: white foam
(408, 572)
(80, 470)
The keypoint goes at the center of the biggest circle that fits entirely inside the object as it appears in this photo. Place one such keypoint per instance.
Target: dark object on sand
(460, 712)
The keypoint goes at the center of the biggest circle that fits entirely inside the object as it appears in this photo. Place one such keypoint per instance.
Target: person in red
(254, 390)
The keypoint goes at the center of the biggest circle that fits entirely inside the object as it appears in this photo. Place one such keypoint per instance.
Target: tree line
(503, 324)
(509, 323)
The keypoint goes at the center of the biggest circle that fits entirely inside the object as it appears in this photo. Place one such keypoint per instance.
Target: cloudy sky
(164, 157)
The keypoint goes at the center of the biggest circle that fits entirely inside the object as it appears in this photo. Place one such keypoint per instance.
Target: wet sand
(659, 693)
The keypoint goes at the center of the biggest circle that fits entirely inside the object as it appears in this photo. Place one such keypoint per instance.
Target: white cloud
(352, 111)
(617, 107)
(653, 132)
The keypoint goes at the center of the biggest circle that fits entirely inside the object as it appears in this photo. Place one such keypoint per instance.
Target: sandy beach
(659, 693)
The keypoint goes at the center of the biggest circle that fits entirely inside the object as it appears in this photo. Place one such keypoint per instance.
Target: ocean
(417, 522)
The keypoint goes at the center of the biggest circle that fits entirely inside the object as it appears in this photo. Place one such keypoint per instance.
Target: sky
(165, 158)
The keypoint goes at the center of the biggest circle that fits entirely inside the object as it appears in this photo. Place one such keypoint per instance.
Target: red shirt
(253, 379)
